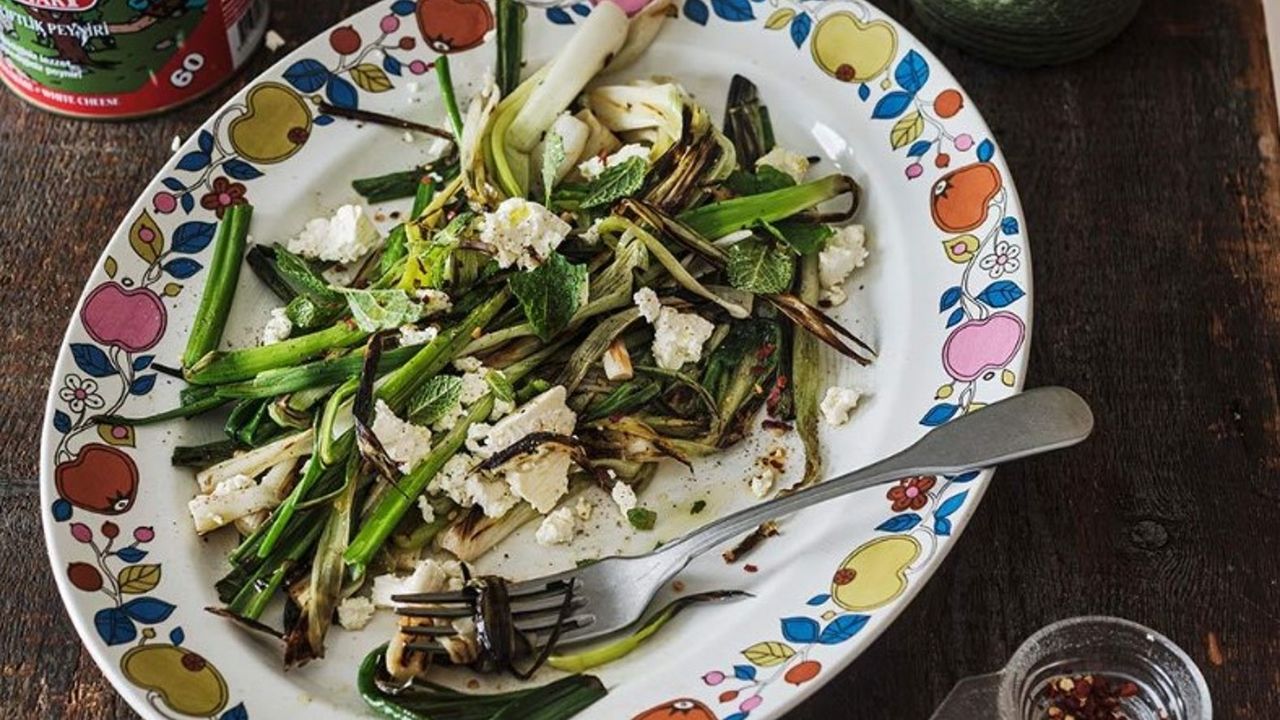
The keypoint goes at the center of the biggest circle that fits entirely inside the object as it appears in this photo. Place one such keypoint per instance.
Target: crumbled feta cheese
(494, 497)
(592, 167)
(838, 403)
(540, 480)
(274, 41)
(176, 144)
(546, 412)
(428, 512)
(451, 480)
(468, 364)
(345, 237)
(647, 300)
(355, 612)
(591, 235)
(762, 481)
(429, 576)
(624, 496)
(278, 328)
(413, 335)
(404, 442)
(433, 301)
(476, 435)
(543, 478)
(583, 508)
(474, 387)
(501, 409)
(783, 160)
(556, 528)
(844, 251)
(522, 232)
(678, 338)
(470, 489)
(407, 136)
(233, 484)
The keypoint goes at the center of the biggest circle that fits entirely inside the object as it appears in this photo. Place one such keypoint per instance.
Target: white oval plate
(945, 297)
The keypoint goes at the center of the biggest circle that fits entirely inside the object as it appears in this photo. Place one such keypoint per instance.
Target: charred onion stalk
(746, 122)
(220, 285)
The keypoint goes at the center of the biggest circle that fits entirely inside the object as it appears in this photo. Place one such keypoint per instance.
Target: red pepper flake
(750, 568)
(1214, 649)
(1086, 697)
(765, 351)
(678, 586)
(775, 394)
(473, 683)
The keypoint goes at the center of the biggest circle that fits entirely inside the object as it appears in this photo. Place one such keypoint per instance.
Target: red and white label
(59, 5)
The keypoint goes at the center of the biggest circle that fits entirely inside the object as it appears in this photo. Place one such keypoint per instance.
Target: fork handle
(1027, 424)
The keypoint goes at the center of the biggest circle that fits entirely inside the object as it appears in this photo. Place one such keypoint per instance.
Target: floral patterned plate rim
(946, 296)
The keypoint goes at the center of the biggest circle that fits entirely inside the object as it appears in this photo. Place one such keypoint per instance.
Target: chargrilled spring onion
(318, 373)
(805, 372)
(718, 219)
(194, 404)
(404, 183)
(445, 77)
(510, 21)
(736, 374)
(261, 260)
(607, 653)
(217, 368)
(220, 285)
(327, 570)
(202, 456)
(746, 122)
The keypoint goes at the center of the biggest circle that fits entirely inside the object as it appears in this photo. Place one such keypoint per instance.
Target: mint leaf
(756, 266)
(550, 294)
(375, 310)
(763, 180)
(500, 385)
(438, 396)
(616, 182)
(803, 238)
(641, 518)
(552, 157)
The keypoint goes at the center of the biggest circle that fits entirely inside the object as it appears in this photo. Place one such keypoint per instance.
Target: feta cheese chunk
(433, 302)
(546, 412)
(277, 328)
(624, 496)
(468, 364)
(522, 233)
(647, 300)
(557, 528)
(838, 403)
(540, 480)
(762, 481)
(678, 338)
(404, 442)
(591, 235)
(429, 576)
(413, 335)
(355, 612)
(845, 251)
(425, 507)
(592, 167)
(786, 161)
(344, 238)
(583, 508)
(543, 478)
(470, 489)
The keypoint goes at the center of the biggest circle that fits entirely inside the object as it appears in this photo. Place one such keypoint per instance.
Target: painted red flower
(223, 195)
(911, 493)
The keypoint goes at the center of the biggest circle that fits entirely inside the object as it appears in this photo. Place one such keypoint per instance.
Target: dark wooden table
(1152, 189)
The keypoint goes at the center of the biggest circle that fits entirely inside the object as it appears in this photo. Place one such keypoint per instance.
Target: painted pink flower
(80, 393)
(81, 532)
(144, 534)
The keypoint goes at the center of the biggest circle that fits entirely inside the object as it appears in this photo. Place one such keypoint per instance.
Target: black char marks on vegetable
(746, 122)
(677, 177)
(532, 442)
(363, 410)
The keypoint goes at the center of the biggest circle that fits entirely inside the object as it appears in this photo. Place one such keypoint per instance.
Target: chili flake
(1086, 697)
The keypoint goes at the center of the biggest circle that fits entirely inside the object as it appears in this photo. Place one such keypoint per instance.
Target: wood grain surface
(1151, 182)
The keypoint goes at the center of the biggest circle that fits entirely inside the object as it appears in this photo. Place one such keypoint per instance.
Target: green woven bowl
(1027, 32)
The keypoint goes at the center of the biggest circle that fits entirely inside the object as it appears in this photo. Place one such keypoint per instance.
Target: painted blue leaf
(192, 237)
(148, 610)
(238, 712)
(986, 150)
(391, 65)
(182, 268)
(892, 105)
(241, 170)
(92, 360)
(744, 672)
(61, 510)
(307, 75)
(965, 477)
(403, 7)
(956, 316)
(323, 120)
(1000, 293)
(131, 554)
(341, 93)
(842, 628)
(582, 9)
(61, 422)
(142, 362)
(559, 16)
(942, 527)
(1009, 226)
(142, 384)
(864, 92)
(733, 10)
(738, 716)
(912, 72)
(188, 202)
(949, 298)
(817, 600)
(173, 184)
(800, 629)
(114, 626)
(939, 414)
(194, 160)
(950, 505)
(176, 636)
(919, 148)
(205, 141)
(899, 523)
(696, 10)
(801, 24)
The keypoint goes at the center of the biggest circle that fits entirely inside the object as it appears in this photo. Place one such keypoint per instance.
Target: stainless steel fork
(612, 594)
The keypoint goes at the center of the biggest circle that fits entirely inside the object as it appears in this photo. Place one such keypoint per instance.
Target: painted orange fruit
(100, 479)
(451, 26)
(961, 197)
(681, 709)
(948, 103)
